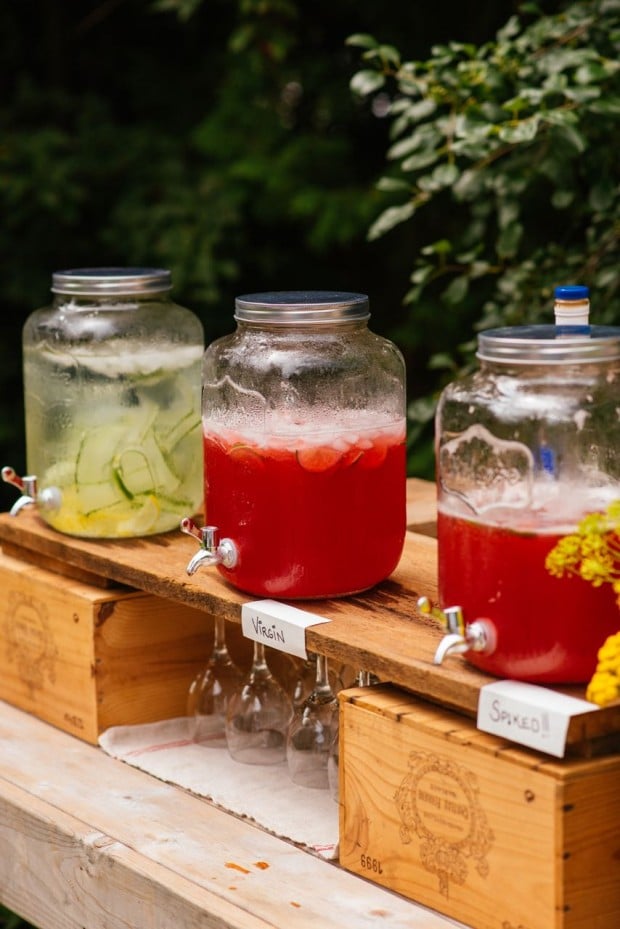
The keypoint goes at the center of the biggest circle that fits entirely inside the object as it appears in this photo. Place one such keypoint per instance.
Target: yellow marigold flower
(593, 551)
(610, 647)
(603, 692)
(604, 686)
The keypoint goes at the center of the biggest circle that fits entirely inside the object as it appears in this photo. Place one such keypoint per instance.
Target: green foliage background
(452, 166)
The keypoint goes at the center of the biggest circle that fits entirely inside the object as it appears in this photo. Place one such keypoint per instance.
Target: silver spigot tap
(50, 498)
(477, 636)
(211, 551)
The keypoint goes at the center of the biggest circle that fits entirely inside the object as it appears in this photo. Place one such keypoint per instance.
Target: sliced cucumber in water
(128, 478)
(101, 496)
(97, 448)
(163, 477)
(133, 471)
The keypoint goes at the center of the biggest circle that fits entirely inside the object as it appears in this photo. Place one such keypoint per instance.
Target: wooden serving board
(380, 630)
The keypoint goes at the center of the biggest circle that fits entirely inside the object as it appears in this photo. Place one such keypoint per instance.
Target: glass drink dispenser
(526, 447)
(303, 414)
(112, 405)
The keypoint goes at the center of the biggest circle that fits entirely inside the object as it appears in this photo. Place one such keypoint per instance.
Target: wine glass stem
(322, 686)
(219, 637)
(259, 661)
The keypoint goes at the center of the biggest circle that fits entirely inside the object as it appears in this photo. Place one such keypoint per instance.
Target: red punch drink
(312, 514)
(549, 629)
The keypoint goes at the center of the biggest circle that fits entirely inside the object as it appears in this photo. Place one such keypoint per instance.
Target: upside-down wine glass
(258, 716)
(211, 690)
(311, 732)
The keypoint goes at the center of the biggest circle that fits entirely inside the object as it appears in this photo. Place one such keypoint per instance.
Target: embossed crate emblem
(29, 640)
(438, 801)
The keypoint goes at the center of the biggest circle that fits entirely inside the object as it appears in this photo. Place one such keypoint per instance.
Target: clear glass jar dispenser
(112, 405)
(526, 447)
(303, 412)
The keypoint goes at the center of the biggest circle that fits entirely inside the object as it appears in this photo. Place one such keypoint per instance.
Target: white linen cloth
(263, 794)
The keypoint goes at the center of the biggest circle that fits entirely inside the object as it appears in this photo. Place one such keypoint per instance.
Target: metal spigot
(211, 551)
(50, 498)
(477, 636)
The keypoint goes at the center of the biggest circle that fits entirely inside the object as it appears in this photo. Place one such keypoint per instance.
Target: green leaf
(469, 185)
(389, 55)
(601, 195)
(571, 137)
(607, 106)
(507, 212)
(392, 184)
(366, 82)
(421, 275)
(479, 269)
(441, 247)
(424, 137)
(428, 184)
(510, 30)
(456, 291)
(420, 160)
(446, 174)
(509, 239)
(523, 131)
(561, 199)
(361, 40)
(391, 217)
(441, 361)
(419, 110)
(591, 73)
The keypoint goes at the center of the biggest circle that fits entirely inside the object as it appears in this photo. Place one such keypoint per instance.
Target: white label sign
(528, 714)
(278, 625)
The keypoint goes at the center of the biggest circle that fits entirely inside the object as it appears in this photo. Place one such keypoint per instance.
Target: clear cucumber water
(118, 433)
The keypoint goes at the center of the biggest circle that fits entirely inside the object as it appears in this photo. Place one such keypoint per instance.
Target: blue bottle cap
(572, 292)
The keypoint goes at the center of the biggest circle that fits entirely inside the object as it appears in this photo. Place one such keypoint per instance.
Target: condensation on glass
(303, 414)
(112, 404)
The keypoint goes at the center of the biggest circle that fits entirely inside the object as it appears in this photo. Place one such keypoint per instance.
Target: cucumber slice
(97, 448)
(133, 470)
(163, 477)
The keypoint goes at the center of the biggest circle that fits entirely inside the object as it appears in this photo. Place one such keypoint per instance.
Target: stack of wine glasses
(262, 722)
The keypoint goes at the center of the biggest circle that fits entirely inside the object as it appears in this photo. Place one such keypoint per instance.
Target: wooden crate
(85, 657)
(490, 834)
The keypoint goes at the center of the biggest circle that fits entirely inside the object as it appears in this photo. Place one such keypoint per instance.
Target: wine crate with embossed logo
(490, 834)
(85, 657)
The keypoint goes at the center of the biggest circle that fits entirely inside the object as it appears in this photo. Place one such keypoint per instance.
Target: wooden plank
(39, 560)
(86, 841)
